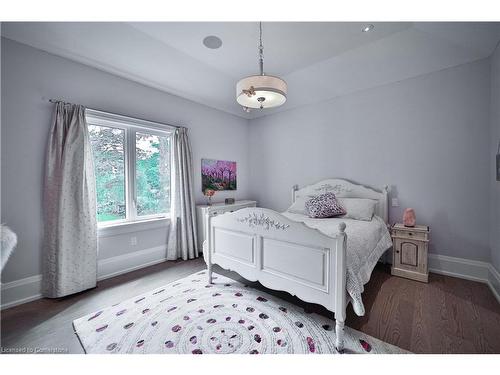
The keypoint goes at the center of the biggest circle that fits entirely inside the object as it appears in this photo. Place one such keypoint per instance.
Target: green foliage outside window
(152, 173)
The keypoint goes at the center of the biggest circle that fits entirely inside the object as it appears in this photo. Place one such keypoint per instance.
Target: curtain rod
(113, 113)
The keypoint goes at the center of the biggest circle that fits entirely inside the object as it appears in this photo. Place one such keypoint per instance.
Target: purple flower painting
(218, 175)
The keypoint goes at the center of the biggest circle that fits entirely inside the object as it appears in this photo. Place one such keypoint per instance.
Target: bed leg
(209, 250)
(340, 288)
(209, 272)
(339, 332)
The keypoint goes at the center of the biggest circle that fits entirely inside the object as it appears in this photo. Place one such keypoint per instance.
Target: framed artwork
(218, 175)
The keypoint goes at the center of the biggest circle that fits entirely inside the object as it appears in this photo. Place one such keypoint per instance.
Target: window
(131, 166)
(108, 148)
(152, 169)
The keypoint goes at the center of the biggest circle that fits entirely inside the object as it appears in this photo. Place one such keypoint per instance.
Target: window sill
(132, 226)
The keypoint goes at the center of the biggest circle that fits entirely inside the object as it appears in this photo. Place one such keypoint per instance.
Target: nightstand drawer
(408, 233)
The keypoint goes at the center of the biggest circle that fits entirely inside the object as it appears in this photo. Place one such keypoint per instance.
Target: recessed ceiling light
(367, 28)
(212, 42)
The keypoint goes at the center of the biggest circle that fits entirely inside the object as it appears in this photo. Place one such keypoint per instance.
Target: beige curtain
(70, 228)
(182, 239)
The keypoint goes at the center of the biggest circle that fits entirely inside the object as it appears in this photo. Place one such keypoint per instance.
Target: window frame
(131, 126)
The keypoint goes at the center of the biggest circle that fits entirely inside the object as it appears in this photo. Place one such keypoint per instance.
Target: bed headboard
(346, 189)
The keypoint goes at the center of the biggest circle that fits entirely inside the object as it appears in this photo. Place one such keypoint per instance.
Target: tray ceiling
(319, 60)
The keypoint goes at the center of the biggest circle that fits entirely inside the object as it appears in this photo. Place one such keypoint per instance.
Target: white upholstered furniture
(266, 246)
(8, 242)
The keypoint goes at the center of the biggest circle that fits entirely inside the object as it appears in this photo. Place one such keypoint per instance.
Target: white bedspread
(366, 242)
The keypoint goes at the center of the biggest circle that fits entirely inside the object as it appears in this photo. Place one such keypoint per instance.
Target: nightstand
(410, 247)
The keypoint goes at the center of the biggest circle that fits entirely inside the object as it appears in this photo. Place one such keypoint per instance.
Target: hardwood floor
(447, 315)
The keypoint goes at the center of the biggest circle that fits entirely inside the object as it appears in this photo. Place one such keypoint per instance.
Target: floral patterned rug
(191, 316)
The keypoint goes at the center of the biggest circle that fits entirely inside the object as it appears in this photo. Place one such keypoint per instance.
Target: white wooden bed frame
(263, 245)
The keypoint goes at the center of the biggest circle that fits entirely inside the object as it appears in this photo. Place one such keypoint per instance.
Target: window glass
(152, 155)
(109, 169)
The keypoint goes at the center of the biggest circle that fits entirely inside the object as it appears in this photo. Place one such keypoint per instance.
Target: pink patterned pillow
(323, 206)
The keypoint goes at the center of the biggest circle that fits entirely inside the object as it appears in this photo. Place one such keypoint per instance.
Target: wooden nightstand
(410, 247)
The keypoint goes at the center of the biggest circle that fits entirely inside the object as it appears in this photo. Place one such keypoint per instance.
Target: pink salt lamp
(409, 217)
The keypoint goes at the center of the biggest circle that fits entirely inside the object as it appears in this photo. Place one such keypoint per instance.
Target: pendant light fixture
(261, 91)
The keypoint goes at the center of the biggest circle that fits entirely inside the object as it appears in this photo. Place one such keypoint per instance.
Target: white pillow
(299, 206)
(358, 208)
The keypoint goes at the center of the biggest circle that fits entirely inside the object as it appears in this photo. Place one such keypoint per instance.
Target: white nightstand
(216, 209)
(410, 247)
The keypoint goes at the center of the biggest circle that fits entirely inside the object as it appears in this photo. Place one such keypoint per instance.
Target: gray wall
(27, 76)
(495, 138)
(427, 136)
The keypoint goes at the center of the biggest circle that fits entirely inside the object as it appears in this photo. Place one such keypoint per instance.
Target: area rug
(191, 316)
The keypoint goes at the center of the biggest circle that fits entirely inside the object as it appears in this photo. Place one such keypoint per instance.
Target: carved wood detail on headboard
(347, 189)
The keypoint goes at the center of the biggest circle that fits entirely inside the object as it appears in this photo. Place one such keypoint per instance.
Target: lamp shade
(268, 91)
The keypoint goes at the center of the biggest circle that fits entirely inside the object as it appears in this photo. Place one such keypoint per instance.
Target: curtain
(70, 228)
(182, 241)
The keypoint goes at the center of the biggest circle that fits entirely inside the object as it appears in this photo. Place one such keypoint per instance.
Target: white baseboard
(474, 270)
(121, 264)
(29, 289)
(494, 282)
(21, 291)
(26, 290)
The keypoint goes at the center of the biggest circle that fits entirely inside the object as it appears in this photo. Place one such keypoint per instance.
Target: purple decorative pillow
(323, 206)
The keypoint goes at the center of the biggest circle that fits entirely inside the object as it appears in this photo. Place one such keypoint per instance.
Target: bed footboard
(263, 245)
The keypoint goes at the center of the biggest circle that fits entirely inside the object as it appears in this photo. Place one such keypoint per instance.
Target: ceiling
(319, 60)
(287, 46)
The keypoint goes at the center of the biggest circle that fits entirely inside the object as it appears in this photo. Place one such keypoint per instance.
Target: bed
(323, 261)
